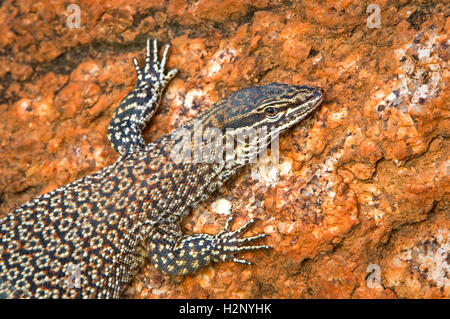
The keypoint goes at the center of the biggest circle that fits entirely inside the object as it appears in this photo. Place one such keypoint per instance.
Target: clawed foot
(230, 243)
(153, 71)
(138, 107)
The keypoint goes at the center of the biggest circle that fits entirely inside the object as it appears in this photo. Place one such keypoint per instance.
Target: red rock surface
(365, 182)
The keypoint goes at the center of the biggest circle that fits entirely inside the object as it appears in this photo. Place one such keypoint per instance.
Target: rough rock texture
(364, 184)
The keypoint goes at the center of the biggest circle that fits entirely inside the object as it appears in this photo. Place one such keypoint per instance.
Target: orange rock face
(358, 205)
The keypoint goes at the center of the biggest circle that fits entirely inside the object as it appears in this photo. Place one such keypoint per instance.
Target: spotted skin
(89, 238)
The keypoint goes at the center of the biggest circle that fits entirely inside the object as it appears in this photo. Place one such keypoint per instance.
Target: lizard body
(105, 226)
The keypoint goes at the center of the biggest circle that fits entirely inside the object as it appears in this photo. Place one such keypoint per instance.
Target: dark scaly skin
(109, 223)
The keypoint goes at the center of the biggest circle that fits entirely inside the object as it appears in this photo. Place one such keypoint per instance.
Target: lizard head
(275, 106)
(269, 109)
(254, 116)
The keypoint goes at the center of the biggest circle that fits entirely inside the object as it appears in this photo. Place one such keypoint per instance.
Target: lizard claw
(154, 69)
(230, 243)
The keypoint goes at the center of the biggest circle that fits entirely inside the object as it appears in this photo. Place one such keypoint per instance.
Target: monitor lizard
(104, 227)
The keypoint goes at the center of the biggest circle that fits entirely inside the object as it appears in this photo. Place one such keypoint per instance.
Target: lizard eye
(270, 111)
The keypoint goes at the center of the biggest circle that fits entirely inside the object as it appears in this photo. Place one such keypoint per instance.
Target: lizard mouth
(303, 109)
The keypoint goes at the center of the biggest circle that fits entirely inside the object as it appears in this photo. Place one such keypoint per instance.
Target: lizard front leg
(130, 117)
(174, 255)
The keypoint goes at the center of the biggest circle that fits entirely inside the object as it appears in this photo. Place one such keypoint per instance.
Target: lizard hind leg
(136, 109)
